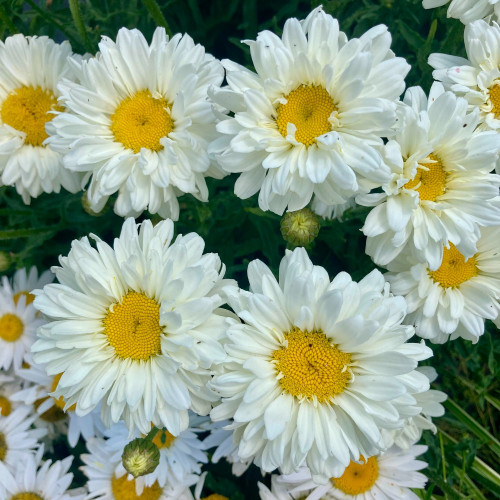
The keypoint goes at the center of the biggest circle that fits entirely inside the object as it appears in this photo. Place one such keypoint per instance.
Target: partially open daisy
(17, 439)
(30, 69)
(441, 189)
(140, 121)
(455, 299)
(136, 326)
(313, 373)
(305, 124)
(33, 479)
(388, 476)
(18, 324)
(467, 10)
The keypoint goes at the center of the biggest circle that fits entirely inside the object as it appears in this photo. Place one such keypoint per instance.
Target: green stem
(76, 13)
(10, 234)
(151, 435)
(157, 15)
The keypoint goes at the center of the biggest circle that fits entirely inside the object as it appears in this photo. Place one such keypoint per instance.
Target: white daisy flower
(477, 78)
(440, 189)
(32, 479)
(9, 385)
(24, 282)
(104, 484)
(307, 122)
(139, 122)
(136, 326)
(30, 69)
(454, 300)
(388, 476)
(180, 457)
(467, 10)
(18, 324)
(50, 411)
(17, 439)
(313, 373)
(332, 211)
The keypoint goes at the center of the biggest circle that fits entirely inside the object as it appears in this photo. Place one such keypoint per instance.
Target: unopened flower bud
(300, 228)
(140, 457)
(86, 206)
(5, 261)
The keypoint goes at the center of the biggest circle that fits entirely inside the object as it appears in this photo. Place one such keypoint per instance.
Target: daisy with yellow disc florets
(30, 69)
(455, 299)
(137, 326)
(139, 122)
(307, 122)
(441, 190)
(314, 372)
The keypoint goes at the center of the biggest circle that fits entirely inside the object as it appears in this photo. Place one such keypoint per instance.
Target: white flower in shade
(307, 122)
(18, 324)
(222, 440)
(30, 69)
(17, 439)
(9, 385)
(139, 122)
(477, 78)
(441, 190)
(24, 282)
(180, 457)
(332, 211)
(104, 484)
(136, 326)
(50, 411)
(32, 479)
(467, 10)
(313, 373)
(385, 476)
(454, 300)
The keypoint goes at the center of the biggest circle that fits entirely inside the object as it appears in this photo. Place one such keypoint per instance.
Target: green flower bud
(140, 457)
(300, 228)
(5, 261)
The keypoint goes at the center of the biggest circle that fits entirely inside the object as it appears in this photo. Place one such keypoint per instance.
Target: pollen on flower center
(133, 327)
(125, 490)
(308, 365)
(27, 109)
(60, 403)
(140, 121)
(495, 100)
(215, 496)
(357, 478)
(11, 327)
(454, 269)
(27, 495)
(3, 447)
(430, 179)
(5, 406)
(163, 439)
(53, 414)
(29, 297)
(308, 107)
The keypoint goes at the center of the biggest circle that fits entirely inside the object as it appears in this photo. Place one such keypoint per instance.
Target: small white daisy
(314, 371)
(104, 484)
(307, 122)
(454, 300)
(24, 282)
(32, 479)
(139, 122)
(467, 10)
(17, 439)
(441, 189)
(386, 476)
(136, 326)
(30, 69)
(18, 324)
(9, 385)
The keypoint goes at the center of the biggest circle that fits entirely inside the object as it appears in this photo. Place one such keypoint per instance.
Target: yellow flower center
(454, 269)
(53, 414)
(430, 178)
(3, 447)
(5, 406)
(29, 297)
(163, 439)
(60, 401)
(357, 478)
(133, 327)
(308, 107)
(27, 495)
(27, 109)
(11, 327)
(123, 489)
(215, 496)
(495, 100)
(140, 121)
(309, 365)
